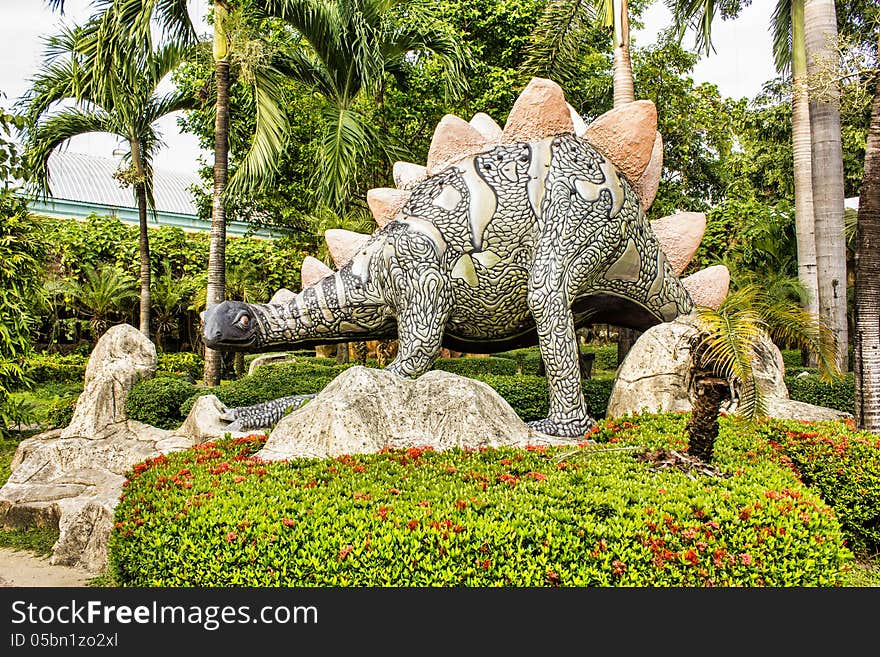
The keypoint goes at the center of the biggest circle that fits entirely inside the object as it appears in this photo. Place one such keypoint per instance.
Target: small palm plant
(724, 351)
(105, 292)
(170, 296)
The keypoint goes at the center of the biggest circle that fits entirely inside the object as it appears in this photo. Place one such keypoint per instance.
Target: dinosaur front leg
(421, 320)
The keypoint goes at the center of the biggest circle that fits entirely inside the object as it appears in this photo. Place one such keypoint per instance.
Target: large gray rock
(75, 484)
(364, 410)
(72, 478)
(655, 376)
(122, 357)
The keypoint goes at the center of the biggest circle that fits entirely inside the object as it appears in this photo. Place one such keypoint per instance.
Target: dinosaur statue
(506, 238)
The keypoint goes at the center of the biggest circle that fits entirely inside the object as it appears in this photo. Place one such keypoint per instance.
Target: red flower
(618, 566)
(691, 557)
(537, 476)
(745, 559)
(383, 511)
(231, 536)
(553, 577)
(412, 524)
(344, 552)
(287, 522)
(460, 504)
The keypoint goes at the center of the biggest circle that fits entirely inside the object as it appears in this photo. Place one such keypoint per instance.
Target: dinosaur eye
(244, 320)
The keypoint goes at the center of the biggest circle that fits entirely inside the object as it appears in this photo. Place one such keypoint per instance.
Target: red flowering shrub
(555, 516)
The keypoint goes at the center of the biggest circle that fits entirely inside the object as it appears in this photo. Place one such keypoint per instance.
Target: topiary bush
(58, 368)
(471, 367)
(812, 390)
(182, 362)
(157, 401)
(536, 516)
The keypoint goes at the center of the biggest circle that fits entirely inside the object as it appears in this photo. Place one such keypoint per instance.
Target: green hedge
(843, 466)
(71, 368)
(213, 516)
(812, 390)
(269, 382)
(529, 358)
(58, 368)
(470, 366)
(158, 401)
(183, 362)
(527, 395)
(793, 363)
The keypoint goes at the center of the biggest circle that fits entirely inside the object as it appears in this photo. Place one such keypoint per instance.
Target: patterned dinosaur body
(516, 243)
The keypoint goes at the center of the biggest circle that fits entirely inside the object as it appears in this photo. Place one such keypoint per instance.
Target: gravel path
(22, 568)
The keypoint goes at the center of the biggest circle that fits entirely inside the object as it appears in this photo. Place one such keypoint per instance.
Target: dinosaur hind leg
(568, 415)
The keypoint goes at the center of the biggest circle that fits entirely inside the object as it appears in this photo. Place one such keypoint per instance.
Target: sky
(739, 67)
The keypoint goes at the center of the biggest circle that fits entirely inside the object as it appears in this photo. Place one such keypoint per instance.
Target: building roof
(89, 179)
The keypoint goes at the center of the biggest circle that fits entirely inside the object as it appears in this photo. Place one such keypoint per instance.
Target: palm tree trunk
(867, 285)
(624, 91)
(143, 236)
(820, 29)
(702, 427)
(805, 226)
(217, 250)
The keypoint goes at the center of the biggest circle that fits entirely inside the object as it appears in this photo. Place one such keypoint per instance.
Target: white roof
(89, 179)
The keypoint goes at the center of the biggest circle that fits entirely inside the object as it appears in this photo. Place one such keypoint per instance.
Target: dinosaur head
(230, 326)
(339, 306)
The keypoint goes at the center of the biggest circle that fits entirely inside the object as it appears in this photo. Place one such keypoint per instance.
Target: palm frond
(697, 15)
(259, 165)
(301, 65)
(557, 40)
(54, 131)
(727, 347)
(780, 26)
(418, 37)
(347, 141)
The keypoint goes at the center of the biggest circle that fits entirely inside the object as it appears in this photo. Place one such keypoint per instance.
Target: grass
(42, 396)
(38, 540)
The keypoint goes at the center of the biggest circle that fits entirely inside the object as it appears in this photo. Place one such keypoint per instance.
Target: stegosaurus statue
(506, 238)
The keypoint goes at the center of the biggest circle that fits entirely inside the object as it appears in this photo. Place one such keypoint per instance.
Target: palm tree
(350, 47)
(801, 29)
(866, 336)
(134, 21)
(125, 103)
(820, 32)
(728, 342)
(105, 292)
